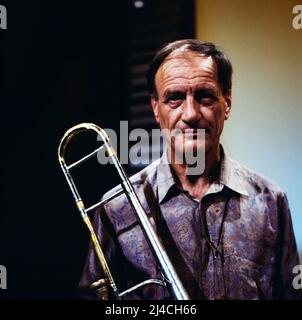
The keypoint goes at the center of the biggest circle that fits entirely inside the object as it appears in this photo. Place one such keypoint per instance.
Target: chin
(191, 148)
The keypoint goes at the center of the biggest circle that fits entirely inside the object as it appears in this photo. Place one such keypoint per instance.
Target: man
(228, 230)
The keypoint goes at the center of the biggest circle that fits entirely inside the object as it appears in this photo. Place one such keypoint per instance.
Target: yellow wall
(265, 128)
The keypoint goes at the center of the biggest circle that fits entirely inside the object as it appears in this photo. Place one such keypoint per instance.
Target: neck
(197, 185)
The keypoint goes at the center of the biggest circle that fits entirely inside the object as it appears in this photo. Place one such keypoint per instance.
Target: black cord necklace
(215, 248)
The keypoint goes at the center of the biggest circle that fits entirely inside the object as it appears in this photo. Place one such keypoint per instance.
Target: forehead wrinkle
(191, 79)
(184, 72)
(190, 60)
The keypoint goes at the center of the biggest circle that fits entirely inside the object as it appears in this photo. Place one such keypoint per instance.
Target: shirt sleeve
(287, 255)
(92, 270)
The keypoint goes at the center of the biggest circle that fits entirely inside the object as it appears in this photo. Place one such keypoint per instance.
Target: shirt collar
(231, 175)
(165, 178)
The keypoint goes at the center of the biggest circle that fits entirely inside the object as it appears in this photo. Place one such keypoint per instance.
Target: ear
(154, 104)
(228, 104)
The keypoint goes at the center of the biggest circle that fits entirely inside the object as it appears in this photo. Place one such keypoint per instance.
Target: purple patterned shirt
(237, 242)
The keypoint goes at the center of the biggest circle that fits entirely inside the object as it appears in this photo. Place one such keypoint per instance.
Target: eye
(176, 97)
(207, 101)
(205, 98)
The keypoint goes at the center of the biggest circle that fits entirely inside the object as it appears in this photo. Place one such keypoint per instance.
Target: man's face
(189, 98)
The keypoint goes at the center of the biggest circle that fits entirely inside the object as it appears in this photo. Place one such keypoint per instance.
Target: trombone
(170, 279)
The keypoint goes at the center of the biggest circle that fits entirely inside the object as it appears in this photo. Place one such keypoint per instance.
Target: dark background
(63, 63)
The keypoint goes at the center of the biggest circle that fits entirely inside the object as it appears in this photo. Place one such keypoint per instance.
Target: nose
(191, 111)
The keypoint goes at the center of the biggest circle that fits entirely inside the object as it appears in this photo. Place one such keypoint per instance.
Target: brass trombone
(170, 279)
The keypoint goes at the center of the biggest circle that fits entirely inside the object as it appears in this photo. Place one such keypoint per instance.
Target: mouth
(194, 133)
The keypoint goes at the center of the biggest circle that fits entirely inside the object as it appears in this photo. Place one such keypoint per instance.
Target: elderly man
(227, 230)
